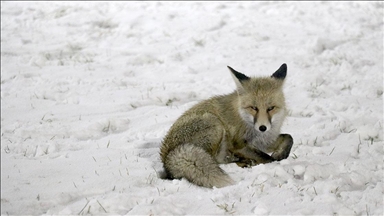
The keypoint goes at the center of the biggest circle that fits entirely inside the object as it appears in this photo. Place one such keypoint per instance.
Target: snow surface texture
(89, 89)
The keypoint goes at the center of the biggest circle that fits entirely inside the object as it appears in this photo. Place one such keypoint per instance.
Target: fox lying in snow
(241, 127)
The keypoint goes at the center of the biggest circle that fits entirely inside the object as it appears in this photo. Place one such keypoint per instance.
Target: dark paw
(242, 165)
(246, 163)
(285, 144)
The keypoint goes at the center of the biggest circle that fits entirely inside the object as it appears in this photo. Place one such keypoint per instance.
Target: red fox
(242, 127)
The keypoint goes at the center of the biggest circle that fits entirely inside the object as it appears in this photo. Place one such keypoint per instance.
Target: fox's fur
(242, 127)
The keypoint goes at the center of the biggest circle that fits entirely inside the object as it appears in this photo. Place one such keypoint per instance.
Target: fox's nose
(262, 128)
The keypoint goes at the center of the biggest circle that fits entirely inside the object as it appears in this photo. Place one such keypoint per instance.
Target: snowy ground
(88, 91)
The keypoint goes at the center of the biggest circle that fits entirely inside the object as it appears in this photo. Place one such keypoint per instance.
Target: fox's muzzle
(262, 122)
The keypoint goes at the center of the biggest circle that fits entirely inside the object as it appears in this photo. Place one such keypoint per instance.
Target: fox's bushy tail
(196, 165)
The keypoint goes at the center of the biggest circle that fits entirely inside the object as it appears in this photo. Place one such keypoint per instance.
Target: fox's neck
(230, 110)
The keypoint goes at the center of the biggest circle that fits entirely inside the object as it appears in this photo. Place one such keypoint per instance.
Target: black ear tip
(283, 67)
(281, 72)
(241, 77)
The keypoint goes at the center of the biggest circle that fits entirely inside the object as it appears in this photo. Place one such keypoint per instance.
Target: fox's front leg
(248, 157)
(282, 147)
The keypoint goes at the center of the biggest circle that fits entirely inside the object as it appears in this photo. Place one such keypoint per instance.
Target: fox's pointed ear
(281, 72)
(239, 79)
(239, 76)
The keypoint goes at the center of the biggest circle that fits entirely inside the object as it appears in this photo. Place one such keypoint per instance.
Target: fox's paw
(246, 163)
(285, 142)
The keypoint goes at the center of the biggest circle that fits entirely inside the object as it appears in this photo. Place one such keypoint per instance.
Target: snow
(89, 89)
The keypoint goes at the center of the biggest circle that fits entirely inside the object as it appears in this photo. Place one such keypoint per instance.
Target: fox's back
(200, 125)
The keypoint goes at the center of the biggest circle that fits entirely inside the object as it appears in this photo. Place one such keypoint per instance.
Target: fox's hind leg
(193, 150)
(282, 147)
(197, 166)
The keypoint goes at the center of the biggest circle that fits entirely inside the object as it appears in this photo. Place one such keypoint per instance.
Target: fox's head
(261, 99)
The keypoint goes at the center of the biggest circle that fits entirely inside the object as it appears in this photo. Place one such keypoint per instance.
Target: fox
(242, 127)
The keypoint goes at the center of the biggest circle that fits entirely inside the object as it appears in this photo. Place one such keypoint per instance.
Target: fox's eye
(270, 108)
(254, 108)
